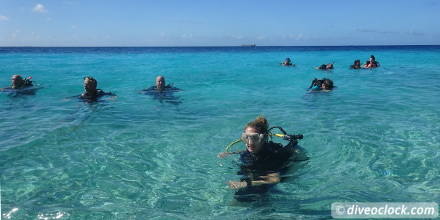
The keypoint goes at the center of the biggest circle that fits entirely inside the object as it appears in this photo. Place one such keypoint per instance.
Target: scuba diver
(371, 63)
(287, 62)
(91, 93)
(20, 85)
(324, 85)
(263, 160)
(161, 86)
(356, 65)
(162, 92)
(328, 66)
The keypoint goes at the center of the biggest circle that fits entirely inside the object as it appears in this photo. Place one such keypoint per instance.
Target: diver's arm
(101, 92)
(225, 154)
(271, 178)
(313, 83)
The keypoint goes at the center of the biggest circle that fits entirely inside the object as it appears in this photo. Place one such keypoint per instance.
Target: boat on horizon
(249, 45)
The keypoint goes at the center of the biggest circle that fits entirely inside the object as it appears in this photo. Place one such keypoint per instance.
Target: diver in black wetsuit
(356, 65)
(90, 92)
(323, 85)
(287, 62)
(162, 92)
(263, 160)
(20, 86)
(161, 86)
(371, 63)
(19, 83)
(329, 66)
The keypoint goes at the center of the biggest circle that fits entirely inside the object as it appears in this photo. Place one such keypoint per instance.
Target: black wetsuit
(273, 158)
(167, 88)
(164, 95)
(94, 97)
(323, 67)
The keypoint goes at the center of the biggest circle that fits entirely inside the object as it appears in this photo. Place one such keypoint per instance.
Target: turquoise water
(374, 138)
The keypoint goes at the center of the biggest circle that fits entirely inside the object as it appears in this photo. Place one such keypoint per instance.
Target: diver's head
(316, 82)
(160, 82)
(372, 58)
(90, 84)
(255, 134)
(329, 66)
(287, 60)
(17, 81)
(357, 62)
(327, 84)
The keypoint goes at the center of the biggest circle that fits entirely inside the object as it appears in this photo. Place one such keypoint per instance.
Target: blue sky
(218, 22)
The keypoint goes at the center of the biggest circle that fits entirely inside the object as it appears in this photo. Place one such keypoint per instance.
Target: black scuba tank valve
(293, 137)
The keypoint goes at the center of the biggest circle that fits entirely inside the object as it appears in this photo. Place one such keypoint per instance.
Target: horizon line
(242, 46)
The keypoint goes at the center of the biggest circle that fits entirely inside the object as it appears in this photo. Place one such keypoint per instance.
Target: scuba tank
(28, 81)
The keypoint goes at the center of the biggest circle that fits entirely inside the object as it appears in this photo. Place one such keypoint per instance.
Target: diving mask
(252, 137)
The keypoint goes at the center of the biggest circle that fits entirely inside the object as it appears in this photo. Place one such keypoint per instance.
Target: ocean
(374, 138)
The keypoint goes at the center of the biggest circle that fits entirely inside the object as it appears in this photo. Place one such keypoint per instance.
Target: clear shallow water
(374, 138)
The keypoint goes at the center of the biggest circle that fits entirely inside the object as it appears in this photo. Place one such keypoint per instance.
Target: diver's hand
(237, 184)
(223, 154)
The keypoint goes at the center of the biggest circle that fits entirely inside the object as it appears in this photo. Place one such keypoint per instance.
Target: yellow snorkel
(232, 144)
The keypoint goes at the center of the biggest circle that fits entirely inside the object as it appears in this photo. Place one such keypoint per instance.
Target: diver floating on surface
(20, 86)
(91, 93)
(371, 63)
(161, 86)
(328, 66)
(263, 160)
(324, 85)
(163, 92)
(287, 62)
(356, 65)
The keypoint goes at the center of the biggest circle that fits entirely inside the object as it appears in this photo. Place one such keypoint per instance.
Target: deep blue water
(374, 138)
